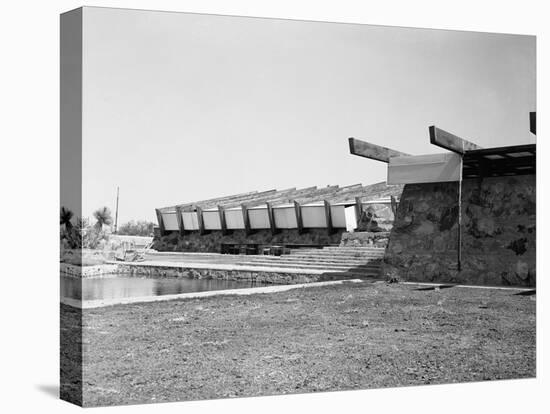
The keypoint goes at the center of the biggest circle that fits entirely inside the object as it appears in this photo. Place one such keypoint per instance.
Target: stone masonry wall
(211, 242)
(498, 233)
(257, 276)
(365, 239)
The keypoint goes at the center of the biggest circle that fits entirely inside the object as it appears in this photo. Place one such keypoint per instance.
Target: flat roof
(334, 194)
(500, 161)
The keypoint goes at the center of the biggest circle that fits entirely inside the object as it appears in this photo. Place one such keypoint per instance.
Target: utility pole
(459, 232)
(116, 211)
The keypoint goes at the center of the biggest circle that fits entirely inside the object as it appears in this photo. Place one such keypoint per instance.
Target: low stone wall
(275, 277)
(163, 271)
(86, 257)
(498, 233)
(67, 269)
(211, 242)
(365, 238)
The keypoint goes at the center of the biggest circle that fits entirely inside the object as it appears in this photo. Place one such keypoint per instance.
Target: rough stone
(486, 225)
(212, 241)
(425, 228)
(229, 274)
(498, 232)
(364, 238)
(522, 269)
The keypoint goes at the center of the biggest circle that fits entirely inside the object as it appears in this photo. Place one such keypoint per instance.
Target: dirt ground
(351, 336)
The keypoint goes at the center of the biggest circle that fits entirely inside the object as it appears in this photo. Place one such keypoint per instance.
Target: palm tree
(103, 217)
(81, 224)
(65, 218)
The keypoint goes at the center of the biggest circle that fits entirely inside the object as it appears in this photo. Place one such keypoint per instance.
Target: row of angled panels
(285, 218)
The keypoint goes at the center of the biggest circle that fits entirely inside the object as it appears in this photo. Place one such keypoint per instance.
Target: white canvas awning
(412, 169)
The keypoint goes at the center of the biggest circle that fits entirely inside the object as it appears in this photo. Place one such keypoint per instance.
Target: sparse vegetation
(353, 336)
(81, 235)
(103, 218)
(66, 216)
(136, 228)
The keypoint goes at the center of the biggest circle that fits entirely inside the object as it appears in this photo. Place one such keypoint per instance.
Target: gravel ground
(351, 336)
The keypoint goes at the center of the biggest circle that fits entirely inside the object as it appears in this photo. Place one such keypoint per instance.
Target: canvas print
(255, 206)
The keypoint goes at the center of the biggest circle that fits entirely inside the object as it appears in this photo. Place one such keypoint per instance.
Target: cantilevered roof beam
(450, 142)
(372, 151)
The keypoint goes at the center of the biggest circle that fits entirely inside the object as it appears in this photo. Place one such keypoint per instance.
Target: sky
(182, 107)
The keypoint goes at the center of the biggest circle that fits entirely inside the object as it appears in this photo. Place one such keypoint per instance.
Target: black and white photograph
(276, 206)
(260, 224)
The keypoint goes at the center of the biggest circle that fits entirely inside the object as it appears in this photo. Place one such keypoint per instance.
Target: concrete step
(349, 247)
(338, 254)
(194, 254)
(339, 250)
(270, 260)
(324, 260)
(312, 262)
(352, 248)
(335, 250)
(184, 255)
(336, 258)
(353, 275)
(310, 266)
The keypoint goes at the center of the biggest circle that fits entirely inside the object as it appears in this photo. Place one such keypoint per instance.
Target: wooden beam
(161, 222)
(318, 195)
(328, 217)
(451, 142)
(299, 222)
(358, 210)
(180, 221)
(246, 220)
(269, 198)
(214, 201)
(202, 230)
(271, 218)
(483, 167)
(533, 122)
(508, 150)
(243, 200)
(223, 224)
(372, 151)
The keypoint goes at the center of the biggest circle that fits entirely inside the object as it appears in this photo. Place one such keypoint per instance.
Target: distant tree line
(136, 228)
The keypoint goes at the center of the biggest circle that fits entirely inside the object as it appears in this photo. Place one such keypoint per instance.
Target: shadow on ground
(527, 293)
(49, 389)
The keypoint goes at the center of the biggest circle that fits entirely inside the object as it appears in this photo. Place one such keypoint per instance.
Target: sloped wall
(498, 232)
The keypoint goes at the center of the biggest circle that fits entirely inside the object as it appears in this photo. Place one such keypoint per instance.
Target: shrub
(136, 228)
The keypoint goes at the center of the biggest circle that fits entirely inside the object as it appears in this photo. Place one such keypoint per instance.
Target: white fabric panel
(190, 220)
(211, 220)
(170, 221)
(285, 218)
(234, 219)
(351, 218)
(259, 218)
(314, 217)
(338, 216)
(431, 168)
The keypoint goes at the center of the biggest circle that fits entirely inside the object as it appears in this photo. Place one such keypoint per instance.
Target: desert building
(309, 216)
(465, 216)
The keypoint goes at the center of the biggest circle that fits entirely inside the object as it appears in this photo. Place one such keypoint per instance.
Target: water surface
(121, 286)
